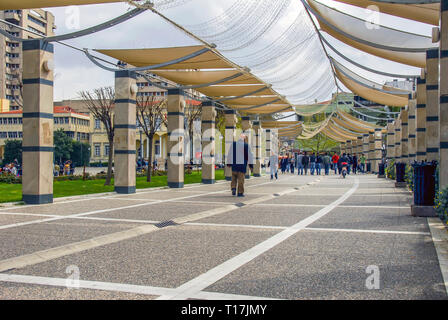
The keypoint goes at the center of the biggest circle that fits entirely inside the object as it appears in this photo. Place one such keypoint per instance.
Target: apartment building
(36, 23)
(76, 125)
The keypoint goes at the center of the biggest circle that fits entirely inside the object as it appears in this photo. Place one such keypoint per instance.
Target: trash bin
(424, 183)
(400, 171)
(369, 167)
(381, 171)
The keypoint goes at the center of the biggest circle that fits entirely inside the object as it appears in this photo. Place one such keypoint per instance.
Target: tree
(63, 146)
(318, 143)
(192, 113)
(13, 150)
(100, 103)
(151, 115)
(80, 154)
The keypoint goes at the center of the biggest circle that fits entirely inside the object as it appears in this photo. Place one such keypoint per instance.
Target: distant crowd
(318, 163)
(13, 168)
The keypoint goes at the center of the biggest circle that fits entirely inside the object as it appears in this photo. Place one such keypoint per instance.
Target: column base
(228, 178)
(208, 181)
(381, 176)
(400, 184)
(247, 176)
(423, 211)
(125, 190)
(257, 175)
(37, 199)
(176, 185)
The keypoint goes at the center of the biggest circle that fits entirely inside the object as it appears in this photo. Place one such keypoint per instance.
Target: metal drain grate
(240, 204)
(165, 224)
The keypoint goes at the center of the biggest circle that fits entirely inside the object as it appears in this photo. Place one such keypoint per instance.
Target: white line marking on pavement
(440, 239)
(323, 205)
(121, 287)
(208, 278)
(57, 252)
(114, 209)
(369, 231)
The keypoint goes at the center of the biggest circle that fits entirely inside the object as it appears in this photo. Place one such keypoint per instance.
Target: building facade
(36, 23)
(76, 125)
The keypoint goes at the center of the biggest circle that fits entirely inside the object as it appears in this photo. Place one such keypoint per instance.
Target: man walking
(273, 164)
(312, 163)
(355, 163)
(240, 155)
(326, 161)
(305, 162)
(299, 164)
(335, 160)
(318, 164)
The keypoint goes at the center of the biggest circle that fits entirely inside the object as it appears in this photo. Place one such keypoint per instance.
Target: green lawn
(13, 192)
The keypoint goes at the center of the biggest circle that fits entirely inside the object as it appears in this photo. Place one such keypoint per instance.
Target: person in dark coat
(241, 156)
(305, 162)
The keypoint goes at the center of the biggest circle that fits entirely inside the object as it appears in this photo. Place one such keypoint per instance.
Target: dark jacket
(319, 159)
(312, 158)
(305, 160)
(239, 157)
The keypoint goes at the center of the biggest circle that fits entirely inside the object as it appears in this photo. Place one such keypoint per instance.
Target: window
(97, 124)
(20, 134)
(1, 120)
(66, 120)
(78, 136)
(106, 150)
(37, 21)
(157, 148)
(97, 150)
(9, 120)
(20, 121)
(15, 120)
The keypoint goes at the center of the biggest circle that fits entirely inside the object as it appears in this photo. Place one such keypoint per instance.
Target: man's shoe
(240, 195)
(233, 192)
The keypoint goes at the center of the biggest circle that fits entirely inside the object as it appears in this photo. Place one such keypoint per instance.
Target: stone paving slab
(12, 219)
(303, 199)
(316, 265)
(27, 239)
(166, 258)
(263, 216)
(158, 212)
(14, 291)
(372, 219)
(378, 201)
(76, 207)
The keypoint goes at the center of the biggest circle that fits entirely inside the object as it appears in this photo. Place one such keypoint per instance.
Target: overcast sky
(292, 73)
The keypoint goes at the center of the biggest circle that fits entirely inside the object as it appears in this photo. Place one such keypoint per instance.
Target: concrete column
(269, 147)
(359, 147)
(208, 142)
(231, 120)
(365, 145)
(125, 130)
(176, 137)
(246, 125)
(432, 105)
(371, 157)
(443, 93)
(398, 140)
(37, 146)
(257, 144)
(412, 134)
(390, 140)
(348, 147)
(378, 154)
(420, 119)
(342, 148)
(404, 135)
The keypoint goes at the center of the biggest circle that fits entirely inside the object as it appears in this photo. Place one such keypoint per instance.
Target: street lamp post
(141, 148)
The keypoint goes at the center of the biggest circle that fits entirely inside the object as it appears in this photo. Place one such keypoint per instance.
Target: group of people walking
(316, 163)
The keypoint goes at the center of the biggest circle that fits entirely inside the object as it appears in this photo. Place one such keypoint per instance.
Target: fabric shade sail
(237, 90)
(384, 42)
(265, 109)
(341, 132)
(148, 57)
(371, 94)
(32, 4)
(426, 13)
(279, 124)
(333, 136)
(351, 126)
(358, 122)
(210, 73)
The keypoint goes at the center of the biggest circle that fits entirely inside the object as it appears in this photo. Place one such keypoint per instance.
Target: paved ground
(304, 237)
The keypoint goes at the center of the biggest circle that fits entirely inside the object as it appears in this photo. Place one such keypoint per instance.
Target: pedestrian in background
(299, 163)
(326, 162)
(312, 163)
(305, 162)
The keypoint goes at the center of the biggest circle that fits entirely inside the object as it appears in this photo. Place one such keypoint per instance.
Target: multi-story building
(76, 125)
(33, 24)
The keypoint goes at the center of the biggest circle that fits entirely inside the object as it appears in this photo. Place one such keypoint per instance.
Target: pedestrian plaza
(301, 237)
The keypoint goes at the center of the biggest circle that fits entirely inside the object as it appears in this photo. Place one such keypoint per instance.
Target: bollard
(381, 170)
(400, 171)
(424, 189)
